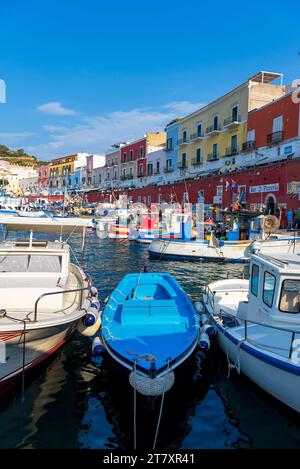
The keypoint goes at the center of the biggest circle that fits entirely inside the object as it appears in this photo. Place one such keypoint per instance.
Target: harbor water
(76, 400)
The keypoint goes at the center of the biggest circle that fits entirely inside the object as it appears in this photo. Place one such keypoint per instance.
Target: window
(184, 136)
(125, 156)
(234, 114)
(277, 124)
(157, 167)
(215, 150)
(30, 263)
(149, 169)
(100, 178)
(169, 143)
(139, 199)
(141, 170)
(219, 190)
(149, 199)
(183, 160)
(199, 130)
(254, 279)
(131, 155)
(169, 164)
(216, 123)
(130, 172)
(198, 155)
(141, 152)
(234, 143)
(290, 296)
(269, 289)
(251, 135)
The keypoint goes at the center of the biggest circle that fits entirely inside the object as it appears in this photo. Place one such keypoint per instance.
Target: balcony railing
(213, 129)
(196, 162)
(183, 141)
(197, 136)
(157, 171)
(126, 177)
(249, 145)
(231, 151)
(140, 156)
(275, 137)
(182, 165)
(212, 156)
(232, 121)
(168, 169)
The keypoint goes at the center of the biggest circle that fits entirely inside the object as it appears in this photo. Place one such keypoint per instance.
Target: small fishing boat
(150, 327)
(43, 297)
(245, 235)
(258, 324)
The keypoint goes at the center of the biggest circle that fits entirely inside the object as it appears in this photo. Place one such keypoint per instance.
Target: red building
(274, 122)
(43, 176)
(133, 159)
(273, 185)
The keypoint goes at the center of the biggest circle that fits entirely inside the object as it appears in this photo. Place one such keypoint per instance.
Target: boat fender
(91, 330)
(91, 316)
(204, 319)
(209, 329)
(204, 341)
(95, 303)
(199, 307)
(94, 291)
(97, 347)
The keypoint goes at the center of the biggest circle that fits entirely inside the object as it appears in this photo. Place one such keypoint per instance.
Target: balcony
(140, 157)
(232, 121)
(213, 130)
(275, 137)
(196, 136)
(249, 145)
(212, 156)
(168, 169)
(183, 141)
(126, 177)
(196, 162)
(156, 172)
(229, 151)
(182, 165)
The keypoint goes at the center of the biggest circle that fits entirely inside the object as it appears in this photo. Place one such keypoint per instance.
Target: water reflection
(81, 401)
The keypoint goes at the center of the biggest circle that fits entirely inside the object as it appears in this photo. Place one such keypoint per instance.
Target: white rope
(159, 417)
(134, 412)
(237, 364)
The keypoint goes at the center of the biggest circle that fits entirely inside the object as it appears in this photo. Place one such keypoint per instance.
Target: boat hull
(274, 375)
(39, 345)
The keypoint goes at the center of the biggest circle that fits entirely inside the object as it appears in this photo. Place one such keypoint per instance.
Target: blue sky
(83, 74)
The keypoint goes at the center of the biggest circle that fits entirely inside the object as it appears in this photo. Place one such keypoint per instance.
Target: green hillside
(18, 157)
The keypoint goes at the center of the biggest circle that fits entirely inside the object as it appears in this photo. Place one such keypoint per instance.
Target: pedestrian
(290, 218)
(283, 219)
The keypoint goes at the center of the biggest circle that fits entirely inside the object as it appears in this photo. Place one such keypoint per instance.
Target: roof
(282, 262)
(44, 225)
(37, 246)
(266, 77)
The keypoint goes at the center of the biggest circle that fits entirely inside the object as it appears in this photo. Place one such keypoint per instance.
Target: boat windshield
(290, 296)
(30, 263)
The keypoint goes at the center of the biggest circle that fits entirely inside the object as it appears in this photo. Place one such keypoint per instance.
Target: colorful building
(134, 155)
(172, 137)
(220, 128)
(43, 176)
(61, 169)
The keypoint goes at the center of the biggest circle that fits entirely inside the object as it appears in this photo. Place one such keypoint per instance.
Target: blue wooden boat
(150, 327)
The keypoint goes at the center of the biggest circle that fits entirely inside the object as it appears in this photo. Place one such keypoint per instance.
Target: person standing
(290, 217)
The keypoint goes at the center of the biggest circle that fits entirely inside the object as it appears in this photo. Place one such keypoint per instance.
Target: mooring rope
(134, 411)
(160, 413)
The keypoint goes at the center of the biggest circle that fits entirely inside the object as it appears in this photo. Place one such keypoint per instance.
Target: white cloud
(7, 138)
(96, 134)
(56, 109)
(183, 108)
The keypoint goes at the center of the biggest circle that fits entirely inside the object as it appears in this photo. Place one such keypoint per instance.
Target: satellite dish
(270, 223)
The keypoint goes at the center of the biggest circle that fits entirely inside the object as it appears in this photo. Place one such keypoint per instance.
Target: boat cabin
(30, 269)
(274, 290)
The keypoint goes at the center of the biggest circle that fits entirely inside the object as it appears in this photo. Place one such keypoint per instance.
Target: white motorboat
(42, 298)
(258, 324)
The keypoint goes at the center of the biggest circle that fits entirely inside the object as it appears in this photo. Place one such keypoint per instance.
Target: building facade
(219, 129)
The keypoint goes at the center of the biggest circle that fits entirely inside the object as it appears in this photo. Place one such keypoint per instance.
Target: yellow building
(220, 128)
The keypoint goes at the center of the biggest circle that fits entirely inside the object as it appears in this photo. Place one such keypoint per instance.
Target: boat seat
(148, 312)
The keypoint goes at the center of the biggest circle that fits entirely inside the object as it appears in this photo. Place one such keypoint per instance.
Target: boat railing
(246, 337)
(73, 290)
